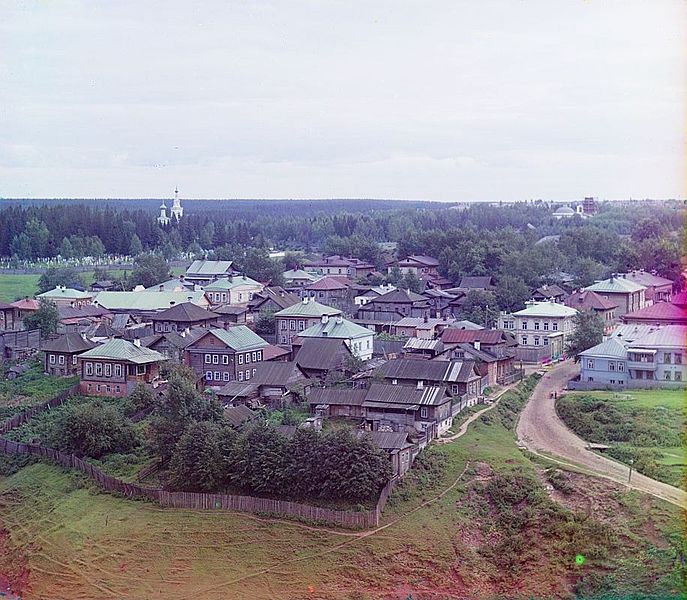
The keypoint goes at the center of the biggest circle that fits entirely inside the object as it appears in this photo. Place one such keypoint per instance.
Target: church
(175, 213)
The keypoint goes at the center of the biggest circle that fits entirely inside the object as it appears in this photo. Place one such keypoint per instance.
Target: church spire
(177, 210)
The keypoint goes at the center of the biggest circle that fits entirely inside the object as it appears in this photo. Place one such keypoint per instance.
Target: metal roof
(337, 328)
(428, 370)
(69, 343)
(209, 267)
(662, 311)
(230, 283)
(405, 394)
(307, 308)
(187, 312)
(611, 348)
(147, 300)
(239, 338)
(668, 336)
(420, 344)
(546, 309)
(63, 292)
(118, 349)
(616, 285)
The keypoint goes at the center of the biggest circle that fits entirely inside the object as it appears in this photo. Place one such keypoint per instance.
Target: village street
(541, 431)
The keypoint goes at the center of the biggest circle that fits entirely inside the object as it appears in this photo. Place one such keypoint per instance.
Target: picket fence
(188, 500)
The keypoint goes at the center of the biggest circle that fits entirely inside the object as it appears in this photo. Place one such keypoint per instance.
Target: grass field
(670, 399)
(14, 287)
(74, 542)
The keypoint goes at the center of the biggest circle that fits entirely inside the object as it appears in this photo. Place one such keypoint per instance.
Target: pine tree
(196, 461)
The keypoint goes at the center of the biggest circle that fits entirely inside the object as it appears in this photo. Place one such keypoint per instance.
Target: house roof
(6, 306)
(187, 312)
(102, 330)
(238, 338)
(123, 350)
(550, 291)
(277, 373)
(296, 274)
(611, 348)
(276, 294)
(77, 312)
(272, 352)
(460, 336)
(414, 343)
(238, 389)
(69, 343)
(421, 323)
(406, 394)
(307, 308)
(588, 300)
(657, 313)
(67, 293)
(476, 283)
(336, 328)
(26, 304)
(615, 285)
(647, 279)
(178, 340)
(331, 261)
(426, 370)
(326, 284)
(630, 333)
(230, 309)
(230, 283)
(353, 397)
(209, 267)
(238, 415)
(427, 261)
(387, 440)
(171, 285)
(322, 354)
(147, 301)
(668, 336)
(399, 296)
(546, 309)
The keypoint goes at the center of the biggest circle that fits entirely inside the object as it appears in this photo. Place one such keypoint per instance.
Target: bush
(560, 481)
(196, 464)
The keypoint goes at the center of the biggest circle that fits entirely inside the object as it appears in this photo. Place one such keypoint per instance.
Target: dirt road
(541, 431)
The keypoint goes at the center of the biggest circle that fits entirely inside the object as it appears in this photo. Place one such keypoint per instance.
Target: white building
(163, 219)
(177, 210)
(360, 340)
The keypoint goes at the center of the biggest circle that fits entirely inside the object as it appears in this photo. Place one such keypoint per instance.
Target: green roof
(147, 300)
(239, 338)
(299, 274)
(546, 309)
(228, 284)
(615, 285)
(124, 350)
(338, 329)
(62, 292)
(308, 308)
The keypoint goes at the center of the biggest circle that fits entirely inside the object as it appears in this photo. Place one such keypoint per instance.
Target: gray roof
(322, 354)
(546, 309)
(667, 336)
(425, 370)
(337, 328)
(611, 348)
(230, 283)
(352, 397)
(187, 312)
(209, 267)
(420, 344)
(239, 338)
(398, 296)
(66, 293)
(405, 394)
(307, 308)
(124, 350)
(615, 285)
(70, 343)
(476, 283)
(387, 440)
(238, 415)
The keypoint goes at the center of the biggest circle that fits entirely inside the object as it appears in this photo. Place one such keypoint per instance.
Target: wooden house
(60, 354)
(181, 317)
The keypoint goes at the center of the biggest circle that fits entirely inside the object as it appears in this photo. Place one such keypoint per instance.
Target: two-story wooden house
(116, 367)
(296, 318)
(181, 317)
(224, 355)
(628, 295)
(417, 265)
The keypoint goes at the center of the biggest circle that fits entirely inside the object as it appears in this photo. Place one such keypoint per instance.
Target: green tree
(196, 463)
(45, 318)
(66, 249)
(265, 323)
(56, 276)
(586, 272)
(303, 472)
(21, 246)
(480, 307)
(149, 270)
(511, 293)
(135, 246)
(589, 331)
(412, 282)
(38, 234)
(259, 460)
(92, 429)
(142, 398)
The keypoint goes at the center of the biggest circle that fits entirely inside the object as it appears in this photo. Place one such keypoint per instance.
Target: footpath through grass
(498, 533)
(643, 426)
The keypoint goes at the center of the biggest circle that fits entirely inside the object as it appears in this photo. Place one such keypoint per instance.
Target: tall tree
(149, 270)
(196, 463)
(589, 331)
(45, 318)
(55, 276)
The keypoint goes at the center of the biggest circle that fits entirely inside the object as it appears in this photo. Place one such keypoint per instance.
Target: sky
(427, 100)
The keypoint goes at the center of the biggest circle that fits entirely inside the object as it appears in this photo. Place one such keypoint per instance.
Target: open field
(73, 542)
(670, 399)
(14, 287)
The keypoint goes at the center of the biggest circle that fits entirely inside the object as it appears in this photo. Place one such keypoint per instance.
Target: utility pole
(629, 477)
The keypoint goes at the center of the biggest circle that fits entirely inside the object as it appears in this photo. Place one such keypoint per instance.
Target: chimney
(420, 385)
(306, 299)
(339, 319)
(426, 318)
(137, 342)
(325, 319)
(477, 345)
(190, 298)
(161, 288)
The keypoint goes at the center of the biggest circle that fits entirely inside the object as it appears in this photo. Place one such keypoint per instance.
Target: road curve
(540, 430)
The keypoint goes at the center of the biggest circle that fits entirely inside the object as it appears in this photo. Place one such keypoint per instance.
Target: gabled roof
(6, 306)
(665, 312)
(611, 348)
(238, 338)
(70, 343)
(426, 370)
(67, 293)
(352, 397)
(222, 285)
(461, 336)
(124, 350)
(276, 294)
(399, 296)
(102, 330)
(78, 312)
(406, 394)
(387, 440)
(588, 300)
(208, 268)
(647, 279)
(147, 301)
(230, 309)
(476, 283)
(326, 284)
(546, 309)
(171, 285)
(296, 274)
(186, 312)
(550, 291)
(336, 328)
(414, 343)
(238, 415)
(668, 336)
(272, 352)
(615, 285)
(322, 354)
(307, 308)
(178, 340)
(427, 261)
(421, 323)
(26, 304)
(277, 373)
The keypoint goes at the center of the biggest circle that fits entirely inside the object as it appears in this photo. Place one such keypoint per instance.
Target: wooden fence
(190, 500)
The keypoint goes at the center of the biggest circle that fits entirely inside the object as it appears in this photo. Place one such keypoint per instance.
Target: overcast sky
(479, 100)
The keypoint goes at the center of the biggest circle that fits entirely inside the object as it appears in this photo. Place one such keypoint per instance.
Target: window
(254, 356)
(208, 359)
(60, 359)
(284, 339)
(108, 388)
(554, 326)
(140, 369)
(546, 341)
(678, 358)
(118, 370)
(612, 381)
(74, 359)
(621, 366)
(208, 375)
(225, 376)
(259, 355)
(218, 376)
(224, 296)
(118, 388)
(89, 368)
(301, 325)
(108, 370)
(254, 371)
(524, 340)
(590, 364)
(666, 357)
(394, 381)
(678, 375)
(282, 324)
(536, 340)
(611, 365)
(97, 388)
(454, 389)
(524, 324)
(240, 375)
(423, 412)
(99, 369)
(536, 325)
(225, 359)
(240, 359)
(368, 344)
(215, 359)
(52, 359)
(247, 374)
(292, 325)
(667, 375)
(546, 325)
(247, 359)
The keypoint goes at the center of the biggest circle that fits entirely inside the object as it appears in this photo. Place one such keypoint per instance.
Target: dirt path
(542, 432)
